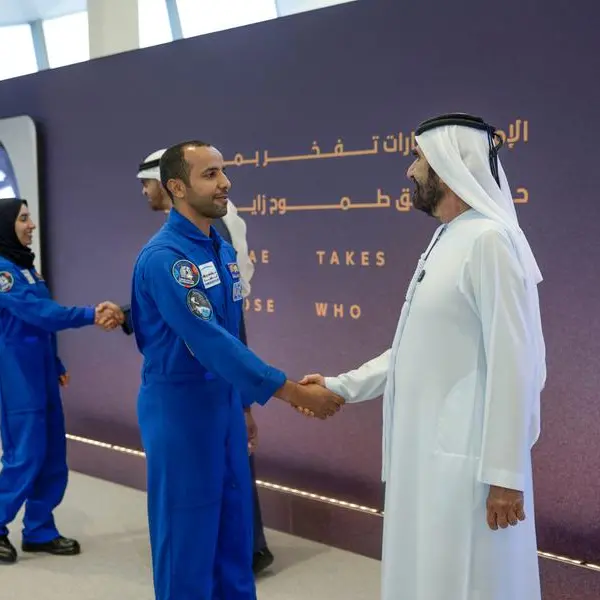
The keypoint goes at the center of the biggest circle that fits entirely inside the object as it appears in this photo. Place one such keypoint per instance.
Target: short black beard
(426, 197)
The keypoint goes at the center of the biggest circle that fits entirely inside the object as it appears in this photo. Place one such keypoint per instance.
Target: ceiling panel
(14, 12)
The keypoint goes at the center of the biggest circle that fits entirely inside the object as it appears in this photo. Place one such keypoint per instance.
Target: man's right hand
(108, 316)
(311, 399)
(313, 378)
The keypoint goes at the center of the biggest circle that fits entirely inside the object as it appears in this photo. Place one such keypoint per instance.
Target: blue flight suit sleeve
(213, 346)
(246, 402)
(127, 326)
(20, 300)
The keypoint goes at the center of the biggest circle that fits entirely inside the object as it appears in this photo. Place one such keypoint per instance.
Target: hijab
(10, 246)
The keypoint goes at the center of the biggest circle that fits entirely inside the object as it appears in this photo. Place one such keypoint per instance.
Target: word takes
(259, 305)
(259, 256)
(351, 258)
(337, 311)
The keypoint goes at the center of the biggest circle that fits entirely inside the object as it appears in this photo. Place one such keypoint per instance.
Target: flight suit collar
(186, 228)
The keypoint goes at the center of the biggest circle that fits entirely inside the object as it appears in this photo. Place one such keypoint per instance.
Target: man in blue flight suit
(34, 462)
(232, 229)
(197, 378)
(263, 557)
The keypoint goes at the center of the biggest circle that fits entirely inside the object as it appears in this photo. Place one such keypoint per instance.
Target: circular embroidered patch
(6, 281)
(199, 304)
(186, 273)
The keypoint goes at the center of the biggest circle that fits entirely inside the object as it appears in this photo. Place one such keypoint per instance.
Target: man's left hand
(252, 429)
(504, 507)
(64, 379)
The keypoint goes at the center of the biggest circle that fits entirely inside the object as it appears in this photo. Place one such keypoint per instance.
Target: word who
(338, 311)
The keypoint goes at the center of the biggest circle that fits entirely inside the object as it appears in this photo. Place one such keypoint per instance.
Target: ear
(176, 187)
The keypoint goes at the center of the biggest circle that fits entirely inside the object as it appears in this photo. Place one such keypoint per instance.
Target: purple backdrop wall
(350, 72)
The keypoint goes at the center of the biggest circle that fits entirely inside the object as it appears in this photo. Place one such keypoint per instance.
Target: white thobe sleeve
(365, 383)
(237, 230)
(499, 291)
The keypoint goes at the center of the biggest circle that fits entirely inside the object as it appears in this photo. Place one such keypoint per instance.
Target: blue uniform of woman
(197, 376)
(34, 467)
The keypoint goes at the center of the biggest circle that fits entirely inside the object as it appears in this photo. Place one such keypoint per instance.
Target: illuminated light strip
(76, 438)
(265, 484)
(570, 561)
(333, 501)
(311, 496)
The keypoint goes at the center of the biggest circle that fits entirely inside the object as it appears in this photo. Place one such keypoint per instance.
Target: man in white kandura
(461, 385)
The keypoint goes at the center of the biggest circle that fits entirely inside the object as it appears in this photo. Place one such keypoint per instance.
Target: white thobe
(237, 229)
(463, 416)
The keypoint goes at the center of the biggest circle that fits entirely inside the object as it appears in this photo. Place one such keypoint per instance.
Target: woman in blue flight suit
(34, 468)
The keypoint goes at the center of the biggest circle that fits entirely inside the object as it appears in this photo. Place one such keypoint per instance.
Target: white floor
(110, 522)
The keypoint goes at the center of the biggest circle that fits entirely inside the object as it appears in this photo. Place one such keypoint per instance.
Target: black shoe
(59, 546)
(262, 560)
(8, 553)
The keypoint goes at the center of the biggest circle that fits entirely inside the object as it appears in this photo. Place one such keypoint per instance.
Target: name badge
(209, 274)
(30, 278)
(237, 291)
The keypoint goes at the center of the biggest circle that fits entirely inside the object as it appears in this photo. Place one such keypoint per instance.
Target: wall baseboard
(329, 521)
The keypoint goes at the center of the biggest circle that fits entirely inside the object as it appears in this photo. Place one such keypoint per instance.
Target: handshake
(108, 316)
(311, 398)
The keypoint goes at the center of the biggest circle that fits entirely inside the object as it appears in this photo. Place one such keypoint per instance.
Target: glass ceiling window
(205, 16)
(17, 54)
(67, 39)
(292, 7)
(154, 24)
